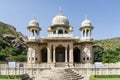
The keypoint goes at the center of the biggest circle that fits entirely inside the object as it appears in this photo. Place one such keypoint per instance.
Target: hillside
(12, 44)
(108, 50)
(111, 44)
(6, 29)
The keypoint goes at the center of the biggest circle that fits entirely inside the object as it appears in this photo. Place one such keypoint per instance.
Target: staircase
(73, 75)
(59, 74)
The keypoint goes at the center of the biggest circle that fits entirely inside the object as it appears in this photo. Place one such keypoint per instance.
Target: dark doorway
(60, 54)
(76, 53)
(60, 31)
(44, 54)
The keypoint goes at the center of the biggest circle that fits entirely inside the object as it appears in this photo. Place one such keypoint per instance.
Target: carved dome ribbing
(86, 22)
(34, 22)
(60, 19)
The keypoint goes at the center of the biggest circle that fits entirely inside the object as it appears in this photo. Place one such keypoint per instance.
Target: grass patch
(108, 78)
(105, 77)
(9, 76)
(9, 79)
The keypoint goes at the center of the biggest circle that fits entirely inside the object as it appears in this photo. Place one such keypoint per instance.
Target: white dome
(49, 29)
(86, 22)
(60, 19)
(71, 29)
(34, 22)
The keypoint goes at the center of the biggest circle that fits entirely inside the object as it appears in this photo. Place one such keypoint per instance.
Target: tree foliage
(111, 56)
(10, 53)
(110, 49)
(98, 53)
(20, 58)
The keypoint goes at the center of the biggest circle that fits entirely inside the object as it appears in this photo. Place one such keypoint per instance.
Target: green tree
(20, 58)
(111, 56)
(98, 53)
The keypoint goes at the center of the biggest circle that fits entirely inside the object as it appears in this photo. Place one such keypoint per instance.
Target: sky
(103, 14)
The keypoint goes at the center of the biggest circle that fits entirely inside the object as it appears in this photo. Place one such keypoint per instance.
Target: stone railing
(60, 35)
(75, 65)
(112, 65)
(84, 69)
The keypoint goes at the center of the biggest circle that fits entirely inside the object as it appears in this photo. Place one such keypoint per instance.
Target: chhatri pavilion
(60, 47)
(60, 55)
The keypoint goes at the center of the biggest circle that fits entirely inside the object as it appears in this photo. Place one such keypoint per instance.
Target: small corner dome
(34, 22)
(60, 19)
(86, 22)
(71, 28)
(49, 29)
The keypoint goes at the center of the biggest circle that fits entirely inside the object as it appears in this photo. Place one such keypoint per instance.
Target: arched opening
(44, 54)
(76, 53)
(87, 58)
(68, 53)
(60, 31)
(54, 31)
(36, 31)
(32, 32)
(60, 54)
(83, 33)
(83, 58)
(66, 32)
(52, 52)
(87, 33)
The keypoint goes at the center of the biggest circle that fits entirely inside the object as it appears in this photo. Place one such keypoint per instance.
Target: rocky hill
(9, 34)
(11, 42)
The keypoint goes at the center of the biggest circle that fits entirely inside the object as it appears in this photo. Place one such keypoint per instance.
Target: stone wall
(34, 70)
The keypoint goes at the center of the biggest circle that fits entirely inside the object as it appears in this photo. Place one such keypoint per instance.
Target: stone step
(59, 74)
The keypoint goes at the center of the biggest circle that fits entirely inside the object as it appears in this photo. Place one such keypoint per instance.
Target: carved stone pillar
(71, 55)
(49, 54)
(54, 54)
(66, 55)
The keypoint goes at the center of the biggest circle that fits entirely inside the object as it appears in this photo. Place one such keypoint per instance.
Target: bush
(25, 77)
(103, 76)
(20, 58)
(93, 78)
(9, 76)
(108, 76)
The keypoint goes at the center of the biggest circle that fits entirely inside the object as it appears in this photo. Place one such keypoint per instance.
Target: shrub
(108, 76)
(9, 76)
(24, 76)
(96, 77)
(93, 78)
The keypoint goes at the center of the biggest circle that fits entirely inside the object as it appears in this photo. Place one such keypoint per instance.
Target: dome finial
(60, 11)
(86, 18)
(34, 17)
